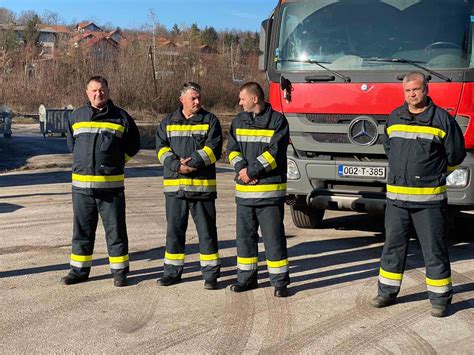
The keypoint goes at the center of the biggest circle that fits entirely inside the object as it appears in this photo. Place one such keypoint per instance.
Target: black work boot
(439, 311)
(381, 301)
(210, 284)
(120, 281)
(168, 280)
(238, 287)
(281, 291)
(72, 279)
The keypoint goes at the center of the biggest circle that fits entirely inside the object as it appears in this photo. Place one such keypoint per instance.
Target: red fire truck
(335, 69)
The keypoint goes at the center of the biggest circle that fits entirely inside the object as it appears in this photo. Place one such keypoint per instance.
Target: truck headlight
(458, 178)
(293, 173)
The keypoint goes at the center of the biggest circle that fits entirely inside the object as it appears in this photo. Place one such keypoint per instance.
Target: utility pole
(151, 56)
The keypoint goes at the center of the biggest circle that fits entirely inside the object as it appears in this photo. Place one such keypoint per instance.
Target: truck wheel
(306, 217)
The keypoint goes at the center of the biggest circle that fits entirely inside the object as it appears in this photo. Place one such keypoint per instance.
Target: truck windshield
(347, 34)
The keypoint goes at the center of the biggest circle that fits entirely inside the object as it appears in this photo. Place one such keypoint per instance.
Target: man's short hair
(416, 75)
(190, 86)
(254, 88)
(98, 79)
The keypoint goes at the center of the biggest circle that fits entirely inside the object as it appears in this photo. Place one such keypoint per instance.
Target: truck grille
(336, 138)
(331, 118)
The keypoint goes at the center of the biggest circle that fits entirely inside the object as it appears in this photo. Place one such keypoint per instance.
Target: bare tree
(7, 16)
(51, 18)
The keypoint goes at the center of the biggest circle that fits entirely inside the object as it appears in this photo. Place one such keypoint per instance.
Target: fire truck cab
(335, 68)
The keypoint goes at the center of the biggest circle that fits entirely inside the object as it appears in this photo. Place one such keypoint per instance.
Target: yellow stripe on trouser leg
(277, 267)
(81, 261)
(209, 259)
(174, 259)
(390, 278)
(247, 264)
(439, 286)
(118, 262)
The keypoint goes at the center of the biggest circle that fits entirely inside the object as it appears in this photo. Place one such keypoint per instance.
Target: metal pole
(151, 55)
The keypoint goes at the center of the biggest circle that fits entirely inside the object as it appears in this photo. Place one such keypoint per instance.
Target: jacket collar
(179, 117)
(95, 113)
(260, 120)
(425, 118)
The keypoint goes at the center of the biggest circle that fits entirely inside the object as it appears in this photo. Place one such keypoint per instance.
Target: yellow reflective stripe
(174, 256)
(390, 275)
(232, 155)
(108, 125)
(127, 157)
(279, 263)
(163, 151)
(96, 178)
(452, 168)
(416, 129)
(81, 258)
(209, 257)
(438, 283)
(260, 188)
(247, 261)
(210, 154)
(255, 132)
(405, 190)
(191, 182)
(269, 158)
(118, 259)
(199, 127)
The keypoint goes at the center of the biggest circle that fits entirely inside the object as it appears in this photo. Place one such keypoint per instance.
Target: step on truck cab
(335, 69)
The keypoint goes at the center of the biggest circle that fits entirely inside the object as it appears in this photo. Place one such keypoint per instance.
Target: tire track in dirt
(67, 307)
(279, 318)
(140, 320)
(397, 325)
(310, 335)
(170, 339)
(237, 323)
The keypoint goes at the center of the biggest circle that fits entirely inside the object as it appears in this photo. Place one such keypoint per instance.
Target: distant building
(87, 26)
(12, 28)
(117, 36)
(50, 37)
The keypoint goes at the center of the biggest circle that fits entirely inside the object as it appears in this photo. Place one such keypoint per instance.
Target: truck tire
(306, 217)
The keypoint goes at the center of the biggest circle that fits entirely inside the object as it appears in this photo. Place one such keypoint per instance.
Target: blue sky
(221, 14)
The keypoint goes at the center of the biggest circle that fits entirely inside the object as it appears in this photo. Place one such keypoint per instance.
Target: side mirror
(265, 36)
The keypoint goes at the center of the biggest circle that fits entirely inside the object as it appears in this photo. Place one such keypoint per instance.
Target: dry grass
(60, 82)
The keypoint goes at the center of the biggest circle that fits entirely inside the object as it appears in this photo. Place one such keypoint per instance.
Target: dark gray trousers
(87, 208)
(270, 220)
(204, 216)
(431, 228)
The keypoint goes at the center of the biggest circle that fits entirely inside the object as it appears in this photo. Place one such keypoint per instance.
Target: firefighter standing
(189, 142)
(258, 139)
(423, 144)
(101, 137)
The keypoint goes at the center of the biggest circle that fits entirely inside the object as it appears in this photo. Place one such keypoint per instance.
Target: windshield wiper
(415, 63)
(319, 64)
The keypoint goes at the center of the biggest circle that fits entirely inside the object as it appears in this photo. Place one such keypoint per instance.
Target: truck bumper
(323, 188)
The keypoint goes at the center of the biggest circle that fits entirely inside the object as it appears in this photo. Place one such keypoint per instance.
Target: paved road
(27, 146)
(333, 273)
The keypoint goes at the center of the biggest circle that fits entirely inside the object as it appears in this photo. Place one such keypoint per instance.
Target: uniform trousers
(430, 225)
(110, 206)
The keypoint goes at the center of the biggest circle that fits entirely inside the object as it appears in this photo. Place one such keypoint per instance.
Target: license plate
(362, 171)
